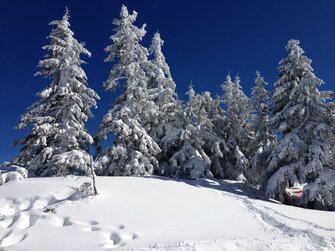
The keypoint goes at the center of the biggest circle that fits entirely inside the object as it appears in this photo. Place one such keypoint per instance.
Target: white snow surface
(152, 213)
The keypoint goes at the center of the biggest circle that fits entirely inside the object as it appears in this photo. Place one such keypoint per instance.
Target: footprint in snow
(18, 216)
(12, 237)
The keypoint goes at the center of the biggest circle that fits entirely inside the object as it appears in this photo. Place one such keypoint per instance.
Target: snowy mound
(322, 192)
(149, 213)
(12, 173)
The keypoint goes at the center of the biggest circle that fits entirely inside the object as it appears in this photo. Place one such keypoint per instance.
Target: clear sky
(204, 40)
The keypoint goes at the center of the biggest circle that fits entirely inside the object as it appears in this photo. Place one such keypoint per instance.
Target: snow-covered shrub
(8, 173)
(84, 190)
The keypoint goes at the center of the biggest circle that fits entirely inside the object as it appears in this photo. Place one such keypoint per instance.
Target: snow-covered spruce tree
(167, 124)
(306, 122)
(133, 152)
(162, 88)
(58, 143)
(260, 146)
(237, 128)
(189, 159)
(207, 117)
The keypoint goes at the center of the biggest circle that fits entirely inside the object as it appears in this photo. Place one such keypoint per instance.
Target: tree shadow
(228, 186)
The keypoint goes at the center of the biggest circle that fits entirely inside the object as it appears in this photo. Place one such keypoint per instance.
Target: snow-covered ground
(151, 213)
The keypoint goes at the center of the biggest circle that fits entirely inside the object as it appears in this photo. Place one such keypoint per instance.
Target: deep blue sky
(204, 39)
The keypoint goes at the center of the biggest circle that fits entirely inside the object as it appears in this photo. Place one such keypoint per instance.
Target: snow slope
(151, 213)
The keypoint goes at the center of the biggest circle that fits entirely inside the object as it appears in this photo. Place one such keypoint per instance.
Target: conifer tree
(162, 88)
(133, 152)
(306, 122)
(208, 119)
(58, 143)
(261, 144)
(189, 159)
(166, 123)
(236, 128)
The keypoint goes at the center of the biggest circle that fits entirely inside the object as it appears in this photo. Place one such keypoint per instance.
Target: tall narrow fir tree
(133, 152)
(59, 142)
(262, 142)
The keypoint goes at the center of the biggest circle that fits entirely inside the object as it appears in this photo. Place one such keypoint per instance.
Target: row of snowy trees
(272, 141)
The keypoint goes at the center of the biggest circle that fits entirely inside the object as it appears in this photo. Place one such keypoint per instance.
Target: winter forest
(272, 141)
